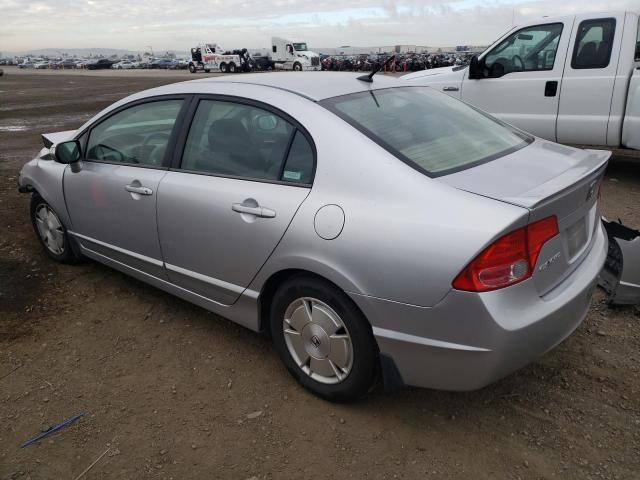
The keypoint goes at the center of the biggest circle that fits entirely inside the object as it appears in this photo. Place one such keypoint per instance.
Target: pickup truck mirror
(67, 152)
(475, 68)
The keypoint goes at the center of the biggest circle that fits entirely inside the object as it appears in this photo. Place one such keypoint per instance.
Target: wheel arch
(275, 279)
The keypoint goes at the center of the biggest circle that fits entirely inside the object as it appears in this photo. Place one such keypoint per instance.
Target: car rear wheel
(224, 68)
(323, 339)
(232, 68)
(51, 232)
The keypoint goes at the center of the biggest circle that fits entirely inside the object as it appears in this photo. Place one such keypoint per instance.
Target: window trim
(527, 139)
(171, 144)
(484, 57)
(576, 43)
(181, 140)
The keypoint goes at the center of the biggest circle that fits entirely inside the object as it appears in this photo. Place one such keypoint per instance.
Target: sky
(180, 24)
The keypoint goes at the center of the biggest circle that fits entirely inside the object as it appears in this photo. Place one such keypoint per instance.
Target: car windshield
(430, 131)
(300, 47)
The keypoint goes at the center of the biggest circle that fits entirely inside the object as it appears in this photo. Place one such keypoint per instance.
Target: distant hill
(81, 52)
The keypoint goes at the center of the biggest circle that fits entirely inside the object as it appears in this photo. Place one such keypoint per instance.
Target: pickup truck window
(593, 44)
(527, 50)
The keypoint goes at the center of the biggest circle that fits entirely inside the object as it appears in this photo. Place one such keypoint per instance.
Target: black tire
(224, 68)
(192, 68)
(364, 368)
(297, 67)
(68, 254)
(232, 67)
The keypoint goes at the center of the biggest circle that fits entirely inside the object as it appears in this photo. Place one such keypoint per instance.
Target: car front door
(111, 194)
(522, 76)
(244, 171)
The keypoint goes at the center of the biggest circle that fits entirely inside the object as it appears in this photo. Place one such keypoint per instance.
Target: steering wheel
(519, 60)
(121, 157)
(158, 147)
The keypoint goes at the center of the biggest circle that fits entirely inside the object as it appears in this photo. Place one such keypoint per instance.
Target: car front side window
(527, 50)
(138, 135)
(245, 141)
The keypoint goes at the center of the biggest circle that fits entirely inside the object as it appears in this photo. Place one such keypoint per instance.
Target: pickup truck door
(522, 78)
(589, 79)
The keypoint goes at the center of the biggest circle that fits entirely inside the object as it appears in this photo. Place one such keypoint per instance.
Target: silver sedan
(372, 229)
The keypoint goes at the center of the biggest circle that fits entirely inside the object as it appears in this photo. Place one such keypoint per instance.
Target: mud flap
(620, 276)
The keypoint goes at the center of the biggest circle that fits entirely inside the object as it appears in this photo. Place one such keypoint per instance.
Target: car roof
(315, 86)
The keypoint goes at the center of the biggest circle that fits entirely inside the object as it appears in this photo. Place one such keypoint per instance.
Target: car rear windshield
(429, 130)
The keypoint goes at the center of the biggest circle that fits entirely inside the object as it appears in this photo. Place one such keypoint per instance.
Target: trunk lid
(547, 179)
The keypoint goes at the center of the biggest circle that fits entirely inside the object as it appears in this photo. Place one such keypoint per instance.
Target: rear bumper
(470, 340)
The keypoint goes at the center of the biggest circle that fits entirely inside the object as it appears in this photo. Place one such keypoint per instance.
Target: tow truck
(211, 56)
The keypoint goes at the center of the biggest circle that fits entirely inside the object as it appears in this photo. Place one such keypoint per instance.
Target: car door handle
(550, 88)
(450, 89)
(257, 211)
(138, 189)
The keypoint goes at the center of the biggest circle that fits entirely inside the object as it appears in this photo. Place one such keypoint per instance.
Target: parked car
(571, 79)
(123, 65)
(26, 65)
(367, 226)
(100, 64)
(42, 65)
(163, 64)
(67, 63)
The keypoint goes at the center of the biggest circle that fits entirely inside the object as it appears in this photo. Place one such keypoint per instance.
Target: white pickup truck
(573, 79)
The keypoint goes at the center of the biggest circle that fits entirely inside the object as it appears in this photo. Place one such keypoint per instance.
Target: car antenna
(369, 78)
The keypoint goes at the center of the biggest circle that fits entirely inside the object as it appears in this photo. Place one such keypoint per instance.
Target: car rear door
(589, 78)
(523, 76)
(111, 194)
(243, 172)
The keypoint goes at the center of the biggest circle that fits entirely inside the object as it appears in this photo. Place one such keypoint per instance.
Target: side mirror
(67, 152)
(475, 68)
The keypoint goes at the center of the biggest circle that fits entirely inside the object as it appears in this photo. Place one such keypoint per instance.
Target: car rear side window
(299, 165)
(430, 131)
(240, 140)
(594, 43)
(138, 135)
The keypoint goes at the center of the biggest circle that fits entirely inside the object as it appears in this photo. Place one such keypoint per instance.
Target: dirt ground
(172, 391)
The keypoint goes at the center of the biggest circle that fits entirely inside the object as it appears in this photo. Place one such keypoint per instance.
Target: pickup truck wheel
(232, 67)
(224, 68)
(297, 67)
(51, 232)
(323, 339)
(192, 68)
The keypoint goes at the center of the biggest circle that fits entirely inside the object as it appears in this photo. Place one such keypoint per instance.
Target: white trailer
(293, 55)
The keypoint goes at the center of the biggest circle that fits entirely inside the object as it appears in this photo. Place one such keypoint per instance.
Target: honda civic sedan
(372, 229)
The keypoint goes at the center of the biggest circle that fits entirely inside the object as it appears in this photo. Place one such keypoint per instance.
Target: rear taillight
(509, 260)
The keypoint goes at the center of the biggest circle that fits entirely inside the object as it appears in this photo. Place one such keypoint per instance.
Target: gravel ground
(172, 391)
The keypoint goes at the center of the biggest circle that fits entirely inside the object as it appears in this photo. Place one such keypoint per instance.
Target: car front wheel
(323, 339)
(51, 232)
